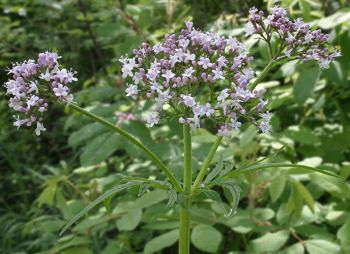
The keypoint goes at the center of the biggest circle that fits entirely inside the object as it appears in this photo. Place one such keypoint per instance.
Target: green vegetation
(47, 180)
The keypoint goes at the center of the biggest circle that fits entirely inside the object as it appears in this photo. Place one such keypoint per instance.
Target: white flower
(218, 74)
(39, 128)
(61, 90)
(153, 119)
(132, 91)
(168, 75)
(47, 76)
(250, 29)
(188, 100)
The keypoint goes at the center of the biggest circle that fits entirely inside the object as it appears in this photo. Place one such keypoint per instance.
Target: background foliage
(46, 180)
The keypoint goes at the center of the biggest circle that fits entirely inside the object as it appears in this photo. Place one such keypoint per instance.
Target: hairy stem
(206, 164)
(133, 140)
(184, 239)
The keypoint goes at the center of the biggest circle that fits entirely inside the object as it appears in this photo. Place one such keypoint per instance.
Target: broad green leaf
(62, 204)
(160, 242)
(206, 238)
(113, 247)
(77, 250)
(130, 220)
(306, 82)
(270, 242)
(86, 133)
(305, 194)
(247, 137)
(49, 193)
(334, 20)
(322, 247)
(150, 198)
(100, 199)
(296, 248)
(276, 187)
(343, 235)
(100, 148)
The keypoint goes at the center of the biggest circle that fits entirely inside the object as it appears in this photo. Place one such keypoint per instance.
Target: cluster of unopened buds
(34, 84)
(296, 38)
(198, 76)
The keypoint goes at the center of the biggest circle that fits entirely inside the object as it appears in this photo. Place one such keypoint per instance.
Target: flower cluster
(296, 38)
(198, 76)
(33, 84)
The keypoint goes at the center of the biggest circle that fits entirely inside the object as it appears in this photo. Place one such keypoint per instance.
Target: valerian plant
(200, 78)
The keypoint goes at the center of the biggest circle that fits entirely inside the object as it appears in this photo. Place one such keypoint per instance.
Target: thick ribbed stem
(185, 220)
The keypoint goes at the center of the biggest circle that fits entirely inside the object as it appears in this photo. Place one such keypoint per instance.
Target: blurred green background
(46, 180)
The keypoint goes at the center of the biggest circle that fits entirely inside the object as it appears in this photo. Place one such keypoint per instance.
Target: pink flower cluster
(296, 38)
(198, 76)
(33, 84)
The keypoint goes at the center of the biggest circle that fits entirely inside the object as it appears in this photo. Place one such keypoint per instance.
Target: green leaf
(305, 194)
(100, 148)
(130, 220)
(150, 198)
(322, 247)
(86, 133)
(160, 242)
(279, 165)
(334, 20)
(270, 242)
(306, 82)
(48, 195)
(206, 238)
(100, 199)
(77, 250)
(276, 187)
(296, 248)
(107, 204)
(247, 136)
(172, 194)
(235, 192)
(343, 235)
(212, 174)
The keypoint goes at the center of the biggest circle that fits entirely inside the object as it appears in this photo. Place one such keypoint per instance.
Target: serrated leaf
(212, 174)
(172, 194)
(235, 191)
(206, 238)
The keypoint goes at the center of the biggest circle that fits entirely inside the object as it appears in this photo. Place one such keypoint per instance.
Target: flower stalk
(184, 239)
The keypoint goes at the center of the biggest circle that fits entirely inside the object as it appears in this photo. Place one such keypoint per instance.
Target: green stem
(184, 239)
(133, 140)
(206, 163)
(262, 74)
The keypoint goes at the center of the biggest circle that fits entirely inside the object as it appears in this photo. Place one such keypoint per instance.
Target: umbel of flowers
(295, 37)
(34, 84)
(198, 76)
